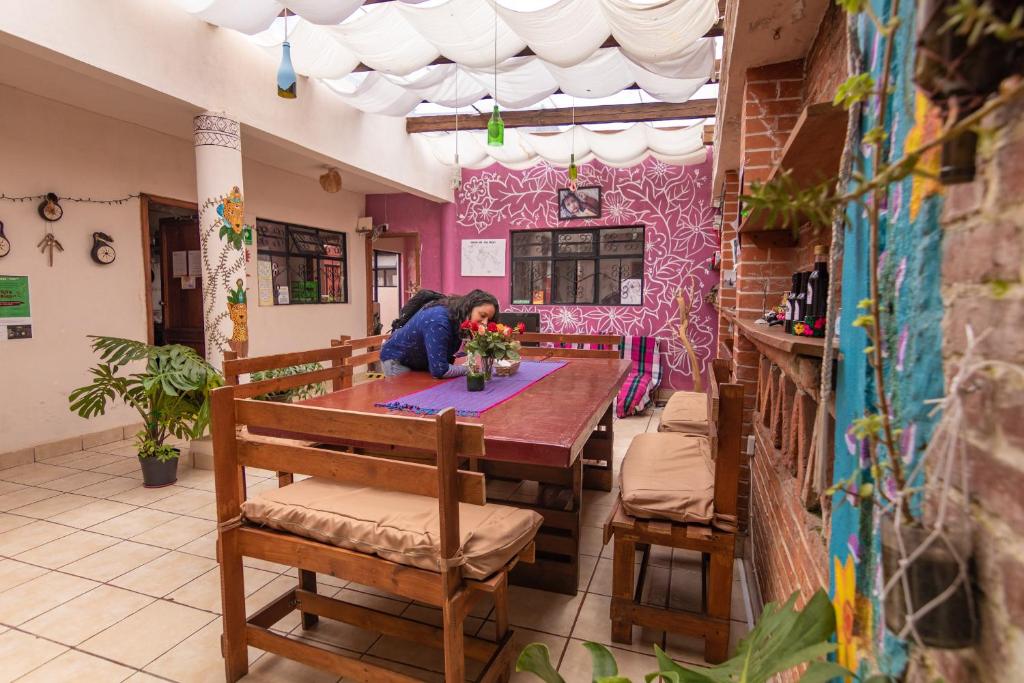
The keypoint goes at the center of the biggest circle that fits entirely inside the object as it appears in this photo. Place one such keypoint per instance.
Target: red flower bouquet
(488, 343)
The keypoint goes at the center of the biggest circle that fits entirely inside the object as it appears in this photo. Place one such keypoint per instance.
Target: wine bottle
(800, 303)
(791, 303)
(817, 293)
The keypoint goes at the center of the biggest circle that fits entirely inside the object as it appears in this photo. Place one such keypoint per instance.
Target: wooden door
(183, 308)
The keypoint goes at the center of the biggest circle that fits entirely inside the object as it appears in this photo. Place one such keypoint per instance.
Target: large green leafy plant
(784, 638)
(171, 393)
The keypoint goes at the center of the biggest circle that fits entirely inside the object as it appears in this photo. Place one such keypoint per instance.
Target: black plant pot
(952, 624)
(475, 382)
(156, 474)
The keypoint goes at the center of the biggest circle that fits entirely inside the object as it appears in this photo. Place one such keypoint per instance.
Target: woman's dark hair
(459, 307)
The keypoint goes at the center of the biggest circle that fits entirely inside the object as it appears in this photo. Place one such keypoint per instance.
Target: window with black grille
(307, 265)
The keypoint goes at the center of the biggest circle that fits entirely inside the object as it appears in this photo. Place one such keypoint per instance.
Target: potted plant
(171, 393)
(783, 639)
(299, 393)
(491, 342)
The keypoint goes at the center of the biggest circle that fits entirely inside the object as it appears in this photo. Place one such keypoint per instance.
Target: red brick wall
(730, 211)
(826, 60)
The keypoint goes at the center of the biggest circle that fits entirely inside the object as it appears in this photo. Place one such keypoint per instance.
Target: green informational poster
(14, 296)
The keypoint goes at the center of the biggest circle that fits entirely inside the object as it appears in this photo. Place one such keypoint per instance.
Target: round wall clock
(5, 244)
(102, 250)
(49, 209)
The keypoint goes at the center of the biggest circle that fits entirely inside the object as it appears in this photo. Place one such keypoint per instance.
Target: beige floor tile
(25, 495)
(165, 574)
(123, 467)
(77, 666)
(14, 573)
(76, 482)
(605, 498)
(185, 500)
(271, 592)
(67, 549)
(592, 541)
(521, 637)
(203, 592)
(49, 507)
(205, 546)
(30, 599)
(576, 665)
(268, 566)
(419, 656)
(34, 473)
(378, 602)
(88, 614)
(595, 515)
(594, 624)
(126, 449)
(176, 532)
(687, 650)
(197, 658)
(602, 581)
(114, 561)
(128, 525)
(92, 514)
(206, 512)
(196, 479)
(147, 634)
(66, 459)
(8, 522)
(91, 460)
(142, 677)
(110, 487)
(9, 487)
(114, 446)
(432, 615)
(273, 669)
(140, 495)
(543, 611)
(21, 652)
(338, 634)
(418, 674)
(31, 536)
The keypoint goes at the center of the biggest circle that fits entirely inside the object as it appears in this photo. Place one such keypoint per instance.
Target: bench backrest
(365, 352)
(611, 340)
(448, 440)
(725, 428)
(333, 356)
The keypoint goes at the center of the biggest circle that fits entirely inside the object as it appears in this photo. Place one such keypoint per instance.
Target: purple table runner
(453, 393)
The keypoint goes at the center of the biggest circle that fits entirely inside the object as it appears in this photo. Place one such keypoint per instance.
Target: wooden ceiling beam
(606, 113)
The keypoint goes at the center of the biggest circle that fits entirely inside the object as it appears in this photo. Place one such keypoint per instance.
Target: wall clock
(102, 250)
(5, 244)
(49, 209)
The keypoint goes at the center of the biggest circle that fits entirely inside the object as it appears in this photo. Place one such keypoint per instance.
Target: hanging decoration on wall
(5, 244)
(330, 181)
(102, 248)
(49, 208)
(48, 244)
(77, 200)
(496, 127)
(287, 82)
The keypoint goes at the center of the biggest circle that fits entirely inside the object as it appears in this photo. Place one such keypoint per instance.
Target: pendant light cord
(496, 55)
(286, 26)
(456, 113)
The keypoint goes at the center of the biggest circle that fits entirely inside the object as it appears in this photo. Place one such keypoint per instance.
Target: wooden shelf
(811, 155)
(776, 338)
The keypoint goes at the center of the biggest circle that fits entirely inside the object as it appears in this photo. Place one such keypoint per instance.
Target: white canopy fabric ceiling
(621, 148)
(661, 48)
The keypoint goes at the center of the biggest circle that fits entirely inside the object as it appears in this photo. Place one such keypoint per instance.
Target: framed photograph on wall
(584, 202)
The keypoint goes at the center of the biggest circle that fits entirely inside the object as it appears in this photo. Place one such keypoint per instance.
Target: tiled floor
(103, 580)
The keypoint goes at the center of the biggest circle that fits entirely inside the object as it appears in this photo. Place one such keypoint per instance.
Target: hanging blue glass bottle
(287, 85)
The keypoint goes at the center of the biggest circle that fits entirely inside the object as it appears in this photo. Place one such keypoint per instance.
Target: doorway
(173, 261)
(404, 248)
(387, 290)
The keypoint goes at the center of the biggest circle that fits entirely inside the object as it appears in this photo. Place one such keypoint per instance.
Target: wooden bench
(365, 352)
(446, 587)
(716, 540)
(577, 351)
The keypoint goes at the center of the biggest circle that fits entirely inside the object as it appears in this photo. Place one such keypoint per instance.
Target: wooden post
(685, 308)
(453, 609)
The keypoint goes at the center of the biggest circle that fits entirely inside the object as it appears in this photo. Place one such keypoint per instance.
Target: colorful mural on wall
(909, 265)
(674, 205)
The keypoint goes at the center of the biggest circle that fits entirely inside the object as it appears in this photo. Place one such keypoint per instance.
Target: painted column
(217, 139)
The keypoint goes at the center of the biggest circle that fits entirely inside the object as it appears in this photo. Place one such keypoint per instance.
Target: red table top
(547, 424)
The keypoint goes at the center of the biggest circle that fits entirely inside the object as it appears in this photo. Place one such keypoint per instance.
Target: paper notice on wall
(630, 292)
(195, 263)
(15, 309)
(282, 294)
(265, 282)
(179, 264)
(483, 258)
(188, 282)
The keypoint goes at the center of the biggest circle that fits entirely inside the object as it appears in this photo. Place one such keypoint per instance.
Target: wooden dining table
(543, 447)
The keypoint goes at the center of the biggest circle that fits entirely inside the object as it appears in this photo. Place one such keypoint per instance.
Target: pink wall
(673, 203)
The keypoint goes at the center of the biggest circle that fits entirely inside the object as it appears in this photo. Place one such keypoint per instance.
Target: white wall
(47, 146)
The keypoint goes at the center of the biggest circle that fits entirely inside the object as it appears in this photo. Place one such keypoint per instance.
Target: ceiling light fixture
(287, 85)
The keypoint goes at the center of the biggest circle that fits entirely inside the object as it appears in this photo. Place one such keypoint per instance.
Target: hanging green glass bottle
(495, 129)
(574, 172)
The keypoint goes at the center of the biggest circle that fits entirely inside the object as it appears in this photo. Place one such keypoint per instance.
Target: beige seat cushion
(669, 476)
(400, 527)
(685, 412)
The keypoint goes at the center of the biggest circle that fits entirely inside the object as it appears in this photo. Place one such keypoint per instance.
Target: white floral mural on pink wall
(674, 205)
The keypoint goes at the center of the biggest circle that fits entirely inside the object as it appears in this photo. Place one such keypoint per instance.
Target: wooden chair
(716, 541)
(365, 352)
(530, 351)
(446, 587)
